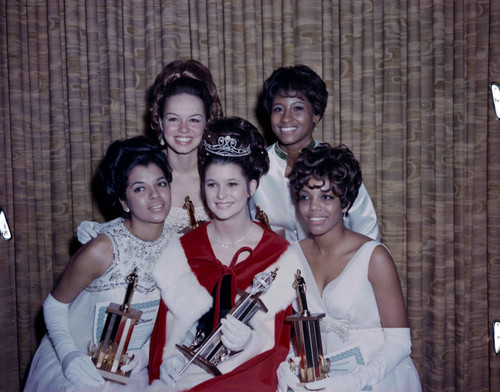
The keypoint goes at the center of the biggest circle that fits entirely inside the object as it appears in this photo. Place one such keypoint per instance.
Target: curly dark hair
(254, 165)
(121, 157)
(324, 162)
(174, 70)
(298, 80)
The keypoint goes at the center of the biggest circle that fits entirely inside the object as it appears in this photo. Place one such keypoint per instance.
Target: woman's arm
(384, 278)
(90, 262)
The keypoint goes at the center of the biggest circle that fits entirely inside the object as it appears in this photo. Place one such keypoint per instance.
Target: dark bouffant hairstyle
(184, 85)
(324, 162)
(298, 80)
(174, 70)
(254, 165)
(122, 156)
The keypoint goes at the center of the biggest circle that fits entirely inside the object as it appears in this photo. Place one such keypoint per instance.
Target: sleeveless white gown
(351, 329)
(87, 312)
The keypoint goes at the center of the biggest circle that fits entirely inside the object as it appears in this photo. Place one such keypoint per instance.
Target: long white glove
(77, 366)
(396, 347)
(236, 335)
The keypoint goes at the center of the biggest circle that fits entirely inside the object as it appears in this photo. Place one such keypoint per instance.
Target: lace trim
(130, 252)
(178, 218)
(343, 328)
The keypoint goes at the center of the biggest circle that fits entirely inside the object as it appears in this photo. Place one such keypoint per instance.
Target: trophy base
(119, 378)
(200, 361)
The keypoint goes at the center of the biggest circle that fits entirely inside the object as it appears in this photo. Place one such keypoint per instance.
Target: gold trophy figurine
(193, 223)
(111, 353)
(262, 217)
(210, 352)
(312, 365)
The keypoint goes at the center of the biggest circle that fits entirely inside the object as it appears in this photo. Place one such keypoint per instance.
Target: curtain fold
(408, 84)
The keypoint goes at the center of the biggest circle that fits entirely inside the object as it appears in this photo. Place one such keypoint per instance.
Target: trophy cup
(262, 217)
(193, 223)
(312, 365)
(210, 352)
(111, 353)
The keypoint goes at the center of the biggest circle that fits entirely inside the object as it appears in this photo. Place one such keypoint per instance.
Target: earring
(162, 141)
(126, 209)
(344, 215)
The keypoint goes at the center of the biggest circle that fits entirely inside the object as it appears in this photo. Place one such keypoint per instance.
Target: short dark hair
(254, 165)
(324, 162)
(121, 157)
(298, 80)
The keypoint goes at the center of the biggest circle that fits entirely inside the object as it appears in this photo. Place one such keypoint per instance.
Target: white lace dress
(351, 330)
(87, 312)
(178, 218)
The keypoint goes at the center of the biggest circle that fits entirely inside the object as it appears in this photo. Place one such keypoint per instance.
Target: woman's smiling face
(293, 121)
(183, 123)
(147, 194)
(227, 190)
(318, 207)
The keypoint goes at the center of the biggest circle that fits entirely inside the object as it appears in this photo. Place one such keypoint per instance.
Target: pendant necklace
(228, 244)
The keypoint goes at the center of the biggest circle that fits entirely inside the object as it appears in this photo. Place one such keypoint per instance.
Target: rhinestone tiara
(226, 147)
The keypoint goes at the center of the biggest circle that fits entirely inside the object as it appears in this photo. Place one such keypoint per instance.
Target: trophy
(262, 217)
(312, 365)
(208, 353)
(193, 223)
(111, 353)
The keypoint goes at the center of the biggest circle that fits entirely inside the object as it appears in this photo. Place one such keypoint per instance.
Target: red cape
(259, 373)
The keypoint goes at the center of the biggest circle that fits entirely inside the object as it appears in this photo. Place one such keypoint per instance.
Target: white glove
(236, 335)
(77, 367)
(288, 380)
(396, 347)
(87, 230)
(170, 368)
(80, 371)
(138, 362)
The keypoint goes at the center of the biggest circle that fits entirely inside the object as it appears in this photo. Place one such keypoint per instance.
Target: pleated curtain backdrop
(408, 86)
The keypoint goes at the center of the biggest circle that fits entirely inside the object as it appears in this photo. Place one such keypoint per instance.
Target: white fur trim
(186, 299)
(171, 264)
(180, 288)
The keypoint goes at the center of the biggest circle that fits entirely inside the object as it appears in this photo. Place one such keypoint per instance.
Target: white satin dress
(351, 330)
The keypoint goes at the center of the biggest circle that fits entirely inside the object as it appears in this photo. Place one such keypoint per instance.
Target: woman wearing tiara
(350, 278)
(184, 98)
(199, 273)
